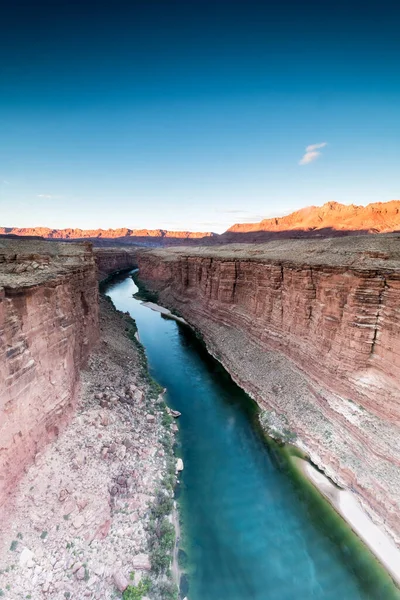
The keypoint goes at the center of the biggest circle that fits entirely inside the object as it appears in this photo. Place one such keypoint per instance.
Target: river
(251, 529)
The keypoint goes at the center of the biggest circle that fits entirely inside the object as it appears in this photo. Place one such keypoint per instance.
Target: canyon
(310, 329)
(84, 444)
(112, 260)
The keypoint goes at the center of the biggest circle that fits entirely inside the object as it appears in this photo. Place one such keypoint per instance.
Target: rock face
(311, 329)
(110, 260)
(123, 234)
(77, 525)
(48, 325)
(330, 219)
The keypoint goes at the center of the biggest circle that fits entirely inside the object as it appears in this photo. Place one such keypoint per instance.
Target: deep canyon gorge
(308, 328)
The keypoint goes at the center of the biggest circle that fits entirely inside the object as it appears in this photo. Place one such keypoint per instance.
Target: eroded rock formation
(110, 260)
(330, 219)
(311, 329)
(48, 325)
(123, 234)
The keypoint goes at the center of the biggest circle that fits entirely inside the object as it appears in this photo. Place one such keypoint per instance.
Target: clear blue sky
(194, 114)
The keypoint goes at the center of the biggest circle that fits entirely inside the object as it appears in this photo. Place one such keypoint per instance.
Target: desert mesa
(330, 219)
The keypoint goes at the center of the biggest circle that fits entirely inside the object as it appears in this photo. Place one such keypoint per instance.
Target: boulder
(141, 562)
(26, 558)
(121, 582)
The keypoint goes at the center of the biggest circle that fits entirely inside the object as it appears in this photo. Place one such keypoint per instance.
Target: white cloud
(315, 147)
(48, 196)
(312, 153)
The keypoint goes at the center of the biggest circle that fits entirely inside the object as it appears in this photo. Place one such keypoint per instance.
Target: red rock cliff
(123, 234)
(110, 260)
(330, 219)
(312, 330)
(48, 324)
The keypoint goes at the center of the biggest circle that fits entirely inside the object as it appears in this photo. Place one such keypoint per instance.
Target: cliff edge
(48, 325)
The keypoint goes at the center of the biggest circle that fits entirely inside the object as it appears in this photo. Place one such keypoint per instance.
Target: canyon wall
(111, 260)
(48, 325)
(311, 329)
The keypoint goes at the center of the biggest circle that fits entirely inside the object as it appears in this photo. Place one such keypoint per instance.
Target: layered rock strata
(79, 524)
(123, 234)
(331, 219)
(311, 329)
(111, 260)
(48, 325)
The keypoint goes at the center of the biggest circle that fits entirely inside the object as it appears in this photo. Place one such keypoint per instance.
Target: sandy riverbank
(164, 311)
(176, 572)
(349, 508)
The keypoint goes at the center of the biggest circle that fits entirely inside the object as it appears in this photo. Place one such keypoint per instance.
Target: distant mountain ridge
(378, 217)
(77, 233)
(102, 237)
(331, 219)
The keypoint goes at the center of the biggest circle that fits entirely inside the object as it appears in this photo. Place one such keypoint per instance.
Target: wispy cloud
(312, 153)
(47, 196)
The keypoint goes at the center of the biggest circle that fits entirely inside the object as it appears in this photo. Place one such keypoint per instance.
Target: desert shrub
(167, 590)
(136, 592)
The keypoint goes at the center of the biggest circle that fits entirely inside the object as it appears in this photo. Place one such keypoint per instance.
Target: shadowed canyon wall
(110, 260)
(311, 329)
(48, 325)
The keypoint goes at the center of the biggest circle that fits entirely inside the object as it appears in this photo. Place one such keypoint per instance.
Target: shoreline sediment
(164, 311)
(348, 507)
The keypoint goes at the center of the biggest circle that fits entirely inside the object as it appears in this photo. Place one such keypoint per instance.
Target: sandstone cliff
(111, 260)
(330, 219)
(311, 329)
(48, 325)
(123, 234)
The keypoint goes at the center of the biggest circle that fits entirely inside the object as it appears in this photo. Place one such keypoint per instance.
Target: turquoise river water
(252, 528)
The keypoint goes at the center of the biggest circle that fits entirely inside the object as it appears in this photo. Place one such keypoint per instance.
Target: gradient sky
(195, 114)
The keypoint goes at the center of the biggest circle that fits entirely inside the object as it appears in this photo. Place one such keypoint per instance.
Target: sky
(195, 114)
